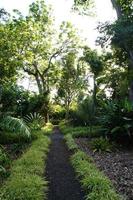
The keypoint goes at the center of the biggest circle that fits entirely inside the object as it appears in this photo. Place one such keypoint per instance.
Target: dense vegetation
(60, 65)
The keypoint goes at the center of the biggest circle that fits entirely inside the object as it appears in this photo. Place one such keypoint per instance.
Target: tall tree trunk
(118, 9)
(39, 85)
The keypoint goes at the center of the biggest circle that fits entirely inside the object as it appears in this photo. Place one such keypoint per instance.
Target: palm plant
(11, 123)
(34, 120)
(14, 125)
(116, 118)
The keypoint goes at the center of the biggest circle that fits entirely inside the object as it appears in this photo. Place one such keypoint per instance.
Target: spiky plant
(34, 120)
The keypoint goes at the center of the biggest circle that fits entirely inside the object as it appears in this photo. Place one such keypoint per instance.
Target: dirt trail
(63, 184)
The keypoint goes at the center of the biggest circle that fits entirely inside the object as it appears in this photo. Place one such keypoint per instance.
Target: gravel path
(61, 177)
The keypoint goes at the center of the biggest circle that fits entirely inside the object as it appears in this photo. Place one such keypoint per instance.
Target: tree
(95, 63)
(71, 81)
(120, 34)
(8, 64)
(39, 46)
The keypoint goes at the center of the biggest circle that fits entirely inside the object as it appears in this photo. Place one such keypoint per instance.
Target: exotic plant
(116, 118)
(15, 125)
(35, 120)
(101, 145)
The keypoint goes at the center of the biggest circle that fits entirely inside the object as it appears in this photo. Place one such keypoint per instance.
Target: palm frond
(16, 125)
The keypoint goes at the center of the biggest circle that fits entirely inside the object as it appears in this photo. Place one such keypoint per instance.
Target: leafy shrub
(101, 144)
(57, 114)
(14, 99)
(34, 120)
(63, 124)
(15, 125)
(18, 148)
(4, 163)
(7, 137)
(116, 119)
(48, 128)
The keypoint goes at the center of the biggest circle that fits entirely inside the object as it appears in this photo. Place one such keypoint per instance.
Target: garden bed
(118, 166)
(27, 179)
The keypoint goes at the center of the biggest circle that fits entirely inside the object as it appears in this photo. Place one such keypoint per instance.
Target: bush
(4, 163)
(25, 181)
(10, 138)
(101, 144)
(116, 119)
(35, 121)
(57, 114)
(48, 128)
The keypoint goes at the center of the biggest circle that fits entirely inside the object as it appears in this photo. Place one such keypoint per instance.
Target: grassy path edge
(27, 181)
(96, 185)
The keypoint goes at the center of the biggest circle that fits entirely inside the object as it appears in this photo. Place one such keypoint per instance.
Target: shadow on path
(62, 182)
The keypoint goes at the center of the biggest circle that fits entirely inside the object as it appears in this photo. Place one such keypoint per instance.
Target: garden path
(63, 184)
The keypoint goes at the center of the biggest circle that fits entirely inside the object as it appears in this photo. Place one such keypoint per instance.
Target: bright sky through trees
(62, 11)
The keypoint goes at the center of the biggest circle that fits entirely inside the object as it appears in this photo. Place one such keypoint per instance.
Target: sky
(62, 12)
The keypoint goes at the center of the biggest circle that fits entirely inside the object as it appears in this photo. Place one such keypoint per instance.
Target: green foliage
(34, 120)
(86, 112)
(81, 131)
(48, 128)
(8, 49)
(57, 113)
(14, 99)
(83, 7)
(15, 125)
(71, 81)
(4, 163)
(101, 144)
(25, 181)
(11, 138)
(95, 183)
(70, 142)
(94, 60)
(97, 186)
(116, 118)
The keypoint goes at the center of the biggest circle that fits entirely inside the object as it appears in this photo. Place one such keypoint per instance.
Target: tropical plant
(14, 125)
(35, 120)
(101, 144)
(116, 118)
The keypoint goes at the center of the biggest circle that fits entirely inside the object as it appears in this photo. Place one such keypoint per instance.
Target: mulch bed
(118, 166)
(63, 184)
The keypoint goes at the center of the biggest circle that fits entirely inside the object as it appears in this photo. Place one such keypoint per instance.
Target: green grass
(96, 185)
(26, 181)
